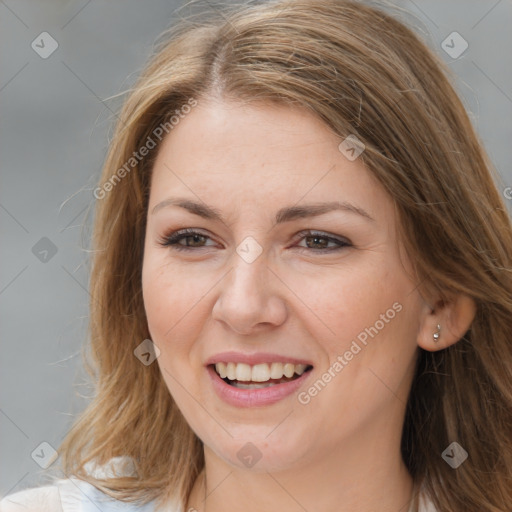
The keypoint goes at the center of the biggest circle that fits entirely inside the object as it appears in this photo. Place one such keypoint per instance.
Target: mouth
(258, 376)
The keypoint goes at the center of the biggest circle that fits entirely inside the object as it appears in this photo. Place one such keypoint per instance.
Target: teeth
(276, 371)
(221, 370)
(243, 372)
(289, 370)
(230, 371)
(258, 373)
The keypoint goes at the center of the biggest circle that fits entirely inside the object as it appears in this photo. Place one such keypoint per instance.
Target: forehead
(264, 155)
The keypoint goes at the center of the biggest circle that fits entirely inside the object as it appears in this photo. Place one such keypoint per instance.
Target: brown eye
(193, 239)
(317, 242)
(320, 242)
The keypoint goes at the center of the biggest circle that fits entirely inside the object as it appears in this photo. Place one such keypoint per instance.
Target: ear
(454, 316)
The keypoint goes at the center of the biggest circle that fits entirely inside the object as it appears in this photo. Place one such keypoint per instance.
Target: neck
(360, 477)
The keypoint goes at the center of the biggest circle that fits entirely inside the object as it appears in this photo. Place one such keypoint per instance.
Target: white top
(75, 495)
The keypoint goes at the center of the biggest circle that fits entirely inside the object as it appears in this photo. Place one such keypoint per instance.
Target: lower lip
(254, 397)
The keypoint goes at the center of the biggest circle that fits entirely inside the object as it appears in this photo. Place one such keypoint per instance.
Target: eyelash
(172, 240)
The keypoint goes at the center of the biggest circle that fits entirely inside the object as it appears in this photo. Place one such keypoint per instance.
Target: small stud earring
(436, 334)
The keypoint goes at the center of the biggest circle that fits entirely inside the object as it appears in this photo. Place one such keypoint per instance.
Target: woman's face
(272, 282)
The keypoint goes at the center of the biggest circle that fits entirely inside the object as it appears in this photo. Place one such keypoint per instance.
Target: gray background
(54, 133)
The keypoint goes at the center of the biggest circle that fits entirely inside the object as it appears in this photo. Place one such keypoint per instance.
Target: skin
(340, 451)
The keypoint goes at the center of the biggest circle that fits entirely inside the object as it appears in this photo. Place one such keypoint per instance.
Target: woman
(301, 290)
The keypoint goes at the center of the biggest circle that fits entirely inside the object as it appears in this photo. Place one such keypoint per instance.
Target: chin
(253, 449)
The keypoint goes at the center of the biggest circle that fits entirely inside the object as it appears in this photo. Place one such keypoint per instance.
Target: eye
(316, 241)
(192, 239)
(319, 241)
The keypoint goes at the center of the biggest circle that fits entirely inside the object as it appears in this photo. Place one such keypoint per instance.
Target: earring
(436, 334)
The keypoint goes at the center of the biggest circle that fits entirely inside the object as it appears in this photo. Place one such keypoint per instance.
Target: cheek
(158, 297)
(342, 302)
(177, 302)
(168, 300)
(366, 316)
(365, 327)
(176, 314)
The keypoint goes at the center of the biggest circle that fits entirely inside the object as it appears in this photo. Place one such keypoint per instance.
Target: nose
(250, 297)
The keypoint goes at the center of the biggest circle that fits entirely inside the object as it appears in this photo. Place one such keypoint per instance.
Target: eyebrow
(286, 214)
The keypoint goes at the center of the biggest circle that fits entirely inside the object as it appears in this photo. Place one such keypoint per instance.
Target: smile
(245, 376)
(262, 384)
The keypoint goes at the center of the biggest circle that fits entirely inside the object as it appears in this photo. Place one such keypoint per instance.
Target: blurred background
(61, 62)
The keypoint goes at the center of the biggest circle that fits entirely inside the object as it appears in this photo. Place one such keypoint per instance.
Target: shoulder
(73, 495)
(425, 503)
(38, 499)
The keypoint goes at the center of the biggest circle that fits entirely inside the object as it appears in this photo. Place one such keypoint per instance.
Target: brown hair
(364, 73)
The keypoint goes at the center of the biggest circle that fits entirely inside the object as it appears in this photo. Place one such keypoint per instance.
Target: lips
(254, 380)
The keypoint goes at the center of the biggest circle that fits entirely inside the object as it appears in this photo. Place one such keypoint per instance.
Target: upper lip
(253, 359)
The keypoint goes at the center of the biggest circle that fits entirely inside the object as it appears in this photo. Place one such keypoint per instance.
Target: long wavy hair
(363, 72)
